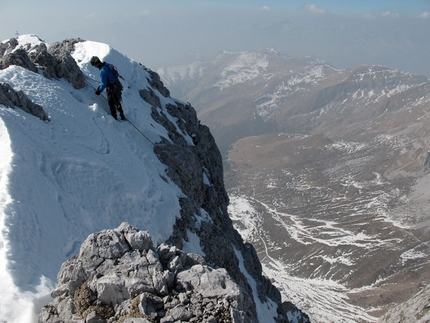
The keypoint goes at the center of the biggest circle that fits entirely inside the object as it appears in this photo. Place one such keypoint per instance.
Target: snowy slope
(77, 174)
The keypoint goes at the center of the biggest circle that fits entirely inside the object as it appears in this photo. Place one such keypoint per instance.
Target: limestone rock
(116, 279)
(150, 97)
(12, 56)
(11, 98)
(155, 82)
(208, 281)
(66, 66)
(120, 275)
(55, 61)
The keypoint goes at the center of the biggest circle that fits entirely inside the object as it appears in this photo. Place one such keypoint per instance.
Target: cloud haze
(158, 35)
(315, 9)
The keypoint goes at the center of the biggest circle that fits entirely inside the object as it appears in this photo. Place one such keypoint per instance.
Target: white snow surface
(80, 173)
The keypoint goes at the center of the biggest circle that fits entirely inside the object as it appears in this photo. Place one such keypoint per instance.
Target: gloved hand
(98, 92)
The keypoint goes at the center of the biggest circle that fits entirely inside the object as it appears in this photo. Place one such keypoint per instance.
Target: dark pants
(114, 100)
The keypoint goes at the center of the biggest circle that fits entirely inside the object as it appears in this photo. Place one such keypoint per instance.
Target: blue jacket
(106, 77)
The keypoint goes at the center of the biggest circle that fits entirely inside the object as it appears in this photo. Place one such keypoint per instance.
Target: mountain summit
(69, 170)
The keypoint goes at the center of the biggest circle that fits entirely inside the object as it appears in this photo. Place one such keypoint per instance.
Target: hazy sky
(157, 33)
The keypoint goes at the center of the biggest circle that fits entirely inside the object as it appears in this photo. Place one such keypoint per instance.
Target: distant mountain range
(327, 173)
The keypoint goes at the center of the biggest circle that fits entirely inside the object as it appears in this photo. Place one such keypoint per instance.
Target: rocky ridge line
(197, 170)
(119, 275)
(11, 98)
(54, 62)
(218, 238)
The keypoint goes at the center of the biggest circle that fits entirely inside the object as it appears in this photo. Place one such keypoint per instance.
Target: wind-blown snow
(80, 173)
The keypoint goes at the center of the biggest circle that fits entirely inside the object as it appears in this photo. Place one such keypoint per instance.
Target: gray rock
(100, 247)
(55, 61)
(110, 289)
(66, 67)
(136, 320)
(181, 313)
(155, 82)
(19, 57)
(139, 240)
(150, 97)
(194, 259)
(11, 98)
(209, 282)
(116, 267)
(114, 279)
(93, 317)
(7, 47)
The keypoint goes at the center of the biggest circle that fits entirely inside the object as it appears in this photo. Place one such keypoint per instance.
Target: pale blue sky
(164, 32)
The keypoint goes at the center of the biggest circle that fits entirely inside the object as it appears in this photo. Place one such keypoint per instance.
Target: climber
(113, 88)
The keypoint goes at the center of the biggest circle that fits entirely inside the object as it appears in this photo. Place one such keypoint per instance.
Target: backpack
(116, 75)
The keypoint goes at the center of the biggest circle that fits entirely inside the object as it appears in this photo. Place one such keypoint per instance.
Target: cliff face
(119, 275)
(326, 171)
(126, 273)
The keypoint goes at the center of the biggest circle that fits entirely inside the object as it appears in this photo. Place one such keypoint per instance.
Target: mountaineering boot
(121, 112)
(113, 112)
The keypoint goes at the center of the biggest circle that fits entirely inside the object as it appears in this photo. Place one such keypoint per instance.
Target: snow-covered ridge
(29, 41)
(83, 172)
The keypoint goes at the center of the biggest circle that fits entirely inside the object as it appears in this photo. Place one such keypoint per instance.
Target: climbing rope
(134, 126)
(140, 132)
(174, 165)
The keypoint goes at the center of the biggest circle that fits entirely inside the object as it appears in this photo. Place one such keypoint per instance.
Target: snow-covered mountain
(68, 169)
(327, 173)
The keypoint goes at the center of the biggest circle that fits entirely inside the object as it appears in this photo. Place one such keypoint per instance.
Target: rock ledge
(119, 275)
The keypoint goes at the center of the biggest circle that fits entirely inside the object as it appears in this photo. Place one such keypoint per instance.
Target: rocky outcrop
(65, 66)
(119, 275)
(55, 61)
(149, 96)
(195, 165)
(18, 57)
(155, 81)
(11, 98)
